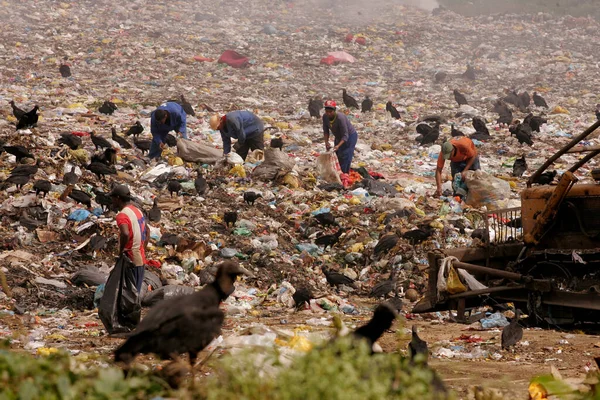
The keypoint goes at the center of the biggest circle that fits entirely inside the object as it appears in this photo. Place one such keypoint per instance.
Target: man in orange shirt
(463, 157)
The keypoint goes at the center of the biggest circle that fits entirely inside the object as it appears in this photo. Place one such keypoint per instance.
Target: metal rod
(485, 291)
(583, 149)
(486, 270)
(585, 159)
(562, 151)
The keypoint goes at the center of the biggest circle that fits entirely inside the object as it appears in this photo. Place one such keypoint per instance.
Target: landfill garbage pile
(313, 245)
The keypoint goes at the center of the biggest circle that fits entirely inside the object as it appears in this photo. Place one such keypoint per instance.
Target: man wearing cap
(168, 117)
(344, 135)
(463, 156)
(133, 232)
(244, 126)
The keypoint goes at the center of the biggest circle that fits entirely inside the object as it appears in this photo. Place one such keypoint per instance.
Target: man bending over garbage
(168, 117)
(463, 156)
(244, 126)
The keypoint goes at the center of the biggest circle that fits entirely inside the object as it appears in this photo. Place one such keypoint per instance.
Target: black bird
(17, 112)
(455, 132)
(108, 107)
(142, 144)
(29, 223)
(440, 76)
(385, 244)
(597, 112)
(460, 98)
(480, 125)
(546, 178)
(19, 152)
(135, 130)
(335, 278)
(522, 132)
(65, 70)
(101, 170)
(393, 111)
(200, 184)
(539, 101)
(482, 137)
(71, 141)
(97, 242)
(512, 333)
(70, 178)
(525, 99)
(417, 346)
(383, 288)
(418, 235)
(230, 218)
(302, 296)
(154, 213)
(108, 157)
(174, 187)
(99, 141)
(349, 101)
(480, 234)
(183, 324)
(513, 98)
(187, 107)
(103, 199)
(329, 240)
(431, 136)
(325, 219)
(314, 107)
(18, 180)
(42, 186)
(367, 104)
(519, 167)
(515, 223)
(170, 239)
(29, 119)
(81, 197)
(277, 143)
(171, 140)
(534, 122)
(26, 169)
(250, 197)
(382, 320)
(121, 140)
(469, 73)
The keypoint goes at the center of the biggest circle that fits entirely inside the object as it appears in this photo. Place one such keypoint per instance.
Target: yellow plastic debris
(46, 351)
(436, 225)
(419, 212)
(559, 110)
(354, 201)
(513, 184)
(291, 181)
(356, 248)
(76, 105)
(386, 146)
(537, 392)
(238, 170)
(175, 161)
(282, 125)
(297, 342)
(80, 155)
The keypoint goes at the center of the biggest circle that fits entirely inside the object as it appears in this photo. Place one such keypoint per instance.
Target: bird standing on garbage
(42, 186)
(392, 110)
(336, 279)
(460, 98)
(539, 101)
(71, 178)
(108, 107)
(522, 132)
(432, 134)
(479, 124)
(71, 141)
(417, 346)
(546, 178)
(120, 140)
(29, 119)
(174, 187)
(183, 324)
(314, 107)
(20, 152)
(455, 132)
(302, 296)
(99, 141)
(382, 320)
(512, 333)
(367, 104)
(326, 219)
(17, 112)
(349, 101)
(469, 73)
(383, 288)
(65, 70)
(250, 197)
(135, 129)
(385, 244)
(329, 240)
(345, 136)
(230, 218)
(534, 122)
(200, 184)
(154, 213)
(519, 167)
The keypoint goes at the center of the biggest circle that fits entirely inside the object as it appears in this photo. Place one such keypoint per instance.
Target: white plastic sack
(486, 190)
(197, 152)
(234, 159)
(326, 168)
(152, 174)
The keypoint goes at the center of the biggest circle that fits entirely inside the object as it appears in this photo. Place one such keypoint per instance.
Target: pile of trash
(59, 246)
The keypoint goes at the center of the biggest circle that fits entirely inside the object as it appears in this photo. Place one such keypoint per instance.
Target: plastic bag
(165, 292)
(276, 163)
(486, 190)
(328, 168)
(119, 308)
(88, 276)
(198, 152)
(454, 284)
(151, 282)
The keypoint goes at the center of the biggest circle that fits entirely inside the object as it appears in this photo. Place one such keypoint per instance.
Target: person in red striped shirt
(133, 233)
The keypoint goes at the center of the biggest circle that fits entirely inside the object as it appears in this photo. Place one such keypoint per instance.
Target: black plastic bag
(88, 276)
(119, 308)
(150, 279)
(165, 292)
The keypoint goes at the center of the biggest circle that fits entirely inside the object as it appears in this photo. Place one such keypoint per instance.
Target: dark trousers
(256, 141)
(346, 152)
(155, 150)
(458, 167)
(138, 273)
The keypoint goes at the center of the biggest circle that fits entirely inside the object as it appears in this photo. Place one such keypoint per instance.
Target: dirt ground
(509, 372)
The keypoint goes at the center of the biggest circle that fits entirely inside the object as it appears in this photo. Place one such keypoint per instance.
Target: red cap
(330, 104)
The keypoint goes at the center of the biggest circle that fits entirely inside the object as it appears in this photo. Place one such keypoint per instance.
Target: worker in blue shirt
(244, 126)
(168, 117)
